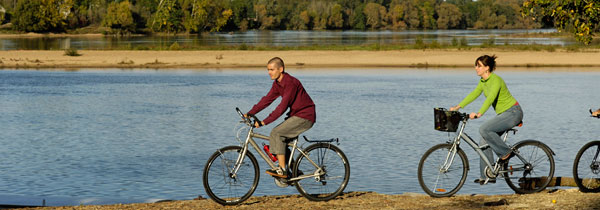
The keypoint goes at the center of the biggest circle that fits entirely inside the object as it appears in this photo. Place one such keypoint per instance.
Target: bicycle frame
(294, 144)
(478, 149)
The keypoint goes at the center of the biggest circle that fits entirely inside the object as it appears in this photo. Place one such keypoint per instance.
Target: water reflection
(284, 38)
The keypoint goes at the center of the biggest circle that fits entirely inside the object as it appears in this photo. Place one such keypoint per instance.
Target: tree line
(194, 16)
(580, 17)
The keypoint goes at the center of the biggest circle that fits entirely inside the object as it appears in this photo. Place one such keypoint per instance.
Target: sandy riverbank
(305, 59)
(563, 199)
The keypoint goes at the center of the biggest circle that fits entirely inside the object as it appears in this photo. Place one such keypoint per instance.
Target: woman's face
(481, 69)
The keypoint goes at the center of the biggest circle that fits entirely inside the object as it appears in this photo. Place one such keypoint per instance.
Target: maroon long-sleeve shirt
(293, 96)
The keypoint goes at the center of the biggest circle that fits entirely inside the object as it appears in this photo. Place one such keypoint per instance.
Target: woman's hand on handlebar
(455, 108)
(596, 113)
(474, 115)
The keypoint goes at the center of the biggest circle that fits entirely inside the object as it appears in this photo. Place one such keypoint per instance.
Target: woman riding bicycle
(508, 110)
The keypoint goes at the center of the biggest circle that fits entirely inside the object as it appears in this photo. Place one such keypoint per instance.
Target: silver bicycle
(320, 171)
(443, 168)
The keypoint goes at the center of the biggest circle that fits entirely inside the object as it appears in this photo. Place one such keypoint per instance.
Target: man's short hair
(277, 61)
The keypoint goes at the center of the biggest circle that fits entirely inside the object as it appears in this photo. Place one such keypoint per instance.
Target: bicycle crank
(281, 182)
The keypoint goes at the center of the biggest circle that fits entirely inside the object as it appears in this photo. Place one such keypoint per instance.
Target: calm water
(286, 38)
(147, 134)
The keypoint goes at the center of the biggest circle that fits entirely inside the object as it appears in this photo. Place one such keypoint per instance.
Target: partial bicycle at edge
(320, 172)
(443, 168)
(586, 166)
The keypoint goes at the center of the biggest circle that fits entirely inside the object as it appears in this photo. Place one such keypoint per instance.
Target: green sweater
(496, 94)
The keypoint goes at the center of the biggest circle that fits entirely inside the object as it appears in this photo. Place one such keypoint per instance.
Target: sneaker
(507, 156)
(278, 173)
(482, 181)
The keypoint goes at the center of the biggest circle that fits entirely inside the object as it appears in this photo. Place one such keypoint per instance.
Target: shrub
(174, 46)
(71, 52)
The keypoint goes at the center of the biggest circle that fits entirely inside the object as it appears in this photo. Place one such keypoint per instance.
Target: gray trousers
(492, 129)
(290, 128)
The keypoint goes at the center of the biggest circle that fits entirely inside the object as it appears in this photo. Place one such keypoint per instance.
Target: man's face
(274, 71)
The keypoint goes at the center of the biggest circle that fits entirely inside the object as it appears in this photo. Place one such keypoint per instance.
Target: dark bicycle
(586, 167)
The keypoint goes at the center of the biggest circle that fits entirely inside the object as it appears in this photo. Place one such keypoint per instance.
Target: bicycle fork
(449, 158)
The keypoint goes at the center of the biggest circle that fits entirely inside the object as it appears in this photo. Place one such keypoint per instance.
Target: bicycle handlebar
(592, 114)
(247, 120)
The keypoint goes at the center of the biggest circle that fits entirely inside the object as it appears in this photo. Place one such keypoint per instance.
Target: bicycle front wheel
(534, 172)
(442, 174)
(221, 184)
(586, 168)
(330, 175)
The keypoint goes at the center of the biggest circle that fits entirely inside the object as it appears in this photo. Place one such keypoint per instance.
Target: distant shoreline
(237, 59)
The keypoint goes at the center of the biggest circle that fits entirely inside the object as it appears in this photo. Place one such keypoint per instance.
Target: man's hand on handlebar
(257, 123)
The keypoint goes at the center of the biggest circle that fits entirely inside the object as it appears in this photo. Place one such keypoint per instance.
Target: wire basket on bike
(445, 120)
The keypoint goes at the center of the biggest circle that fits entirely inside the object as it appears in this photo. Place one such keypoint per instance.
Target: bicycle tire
(586, 169)
(217, 180)
(442, 184)
(337, 172)
(536, 173)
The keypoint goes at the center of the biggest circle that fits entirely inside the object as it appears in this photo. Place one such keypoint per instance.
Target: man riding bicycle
(300, 118)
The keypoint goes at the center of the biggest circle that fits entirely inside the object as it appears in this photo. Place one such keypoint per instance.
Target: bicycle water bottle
(266, 148)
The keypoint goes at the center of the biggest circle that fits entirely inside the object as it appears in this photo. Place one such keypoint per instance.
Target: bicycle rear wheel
(535, 173)
(434, 178)
(223, 186)
(329, 182)
(586, 167)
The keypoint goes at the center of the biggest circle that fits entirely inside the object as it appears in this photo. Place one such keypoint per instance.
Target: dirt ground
(32, 59)
(549, 199)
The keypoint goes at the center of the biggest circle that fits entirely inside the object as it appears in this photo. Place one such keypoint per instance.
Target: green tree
(300, 20)
(118, 17)
(206, 15)
(396, 16)
(41, 15)
(319, 11)
(142, 12)
(264, 15)
(168, 17)
(427, 12)
(376, 15)
(449, 16)
(336, 19)
(487, 18)
(580, 17)
(357, 18)
(412, 15)
(243, 14)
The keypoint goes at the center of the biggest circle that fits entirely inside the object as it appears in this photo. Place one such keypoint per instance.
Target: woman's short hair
(487, 60)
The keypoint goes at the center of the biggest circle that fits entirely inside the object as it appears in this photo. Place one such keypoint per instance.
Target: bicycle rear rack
(336, 140)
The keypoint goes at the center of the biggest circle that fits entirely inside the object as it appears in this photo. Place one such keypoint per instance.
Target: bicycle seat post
(293, 143)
